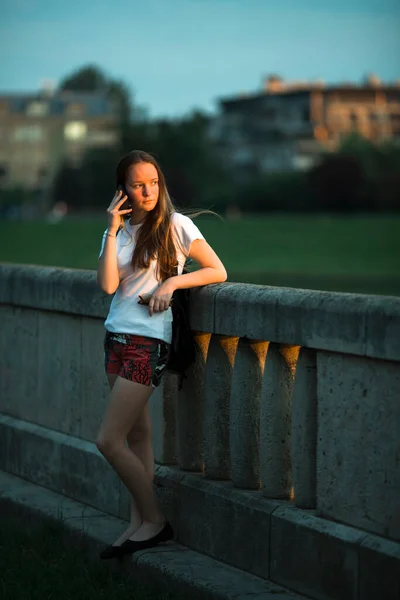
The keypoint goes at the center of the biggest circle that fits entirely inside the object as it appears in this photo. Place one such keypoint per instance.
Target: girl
(139, 265)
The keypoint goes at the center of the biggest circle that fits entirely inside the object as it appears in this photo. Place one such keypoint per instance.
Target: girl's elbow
(109, 290)
(224, 275)
(106, 287)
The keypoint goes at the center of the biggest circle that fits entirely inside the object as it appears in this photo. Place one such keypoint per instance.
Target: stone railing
(293, 401)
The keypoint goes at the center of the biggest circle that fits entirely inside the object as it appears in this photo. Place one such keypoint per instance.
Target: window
(37, 109)
(28, 133)
(378, 117)
(75, 109)
(395, 122)
(75, 131)
(353, 118)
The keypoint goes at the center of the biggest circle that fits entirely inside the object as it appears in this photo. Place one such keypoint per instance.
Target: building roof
(292, 89)
(94, 103)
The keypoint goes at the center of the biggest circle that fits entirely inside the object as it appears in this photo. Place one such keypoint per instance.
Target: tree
(91, 78)
(195, 174)
(85, 79)
(338, 183)
(380, 163)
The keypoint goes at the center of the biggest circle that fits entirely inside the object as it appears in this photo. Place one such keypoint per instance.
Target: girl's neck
(137, 218)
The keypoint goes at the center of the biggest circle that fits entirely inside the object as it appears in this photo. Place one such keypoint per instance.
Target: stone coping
(364, 325)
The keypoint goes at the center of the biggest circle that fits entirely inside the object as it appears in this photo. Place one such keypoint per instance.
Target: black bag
(183, 348)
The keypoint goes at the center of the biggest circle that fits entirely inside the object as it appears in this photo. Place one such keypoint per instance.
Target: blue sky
(178, 55)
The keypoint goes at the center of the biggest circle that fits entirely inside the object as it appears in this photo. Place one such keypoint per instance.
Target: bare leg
(127, 402)
(140, 442)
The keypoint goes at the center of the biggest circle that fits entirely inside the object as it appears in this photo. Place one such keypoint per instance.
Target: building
(288, 125)
(39, 131)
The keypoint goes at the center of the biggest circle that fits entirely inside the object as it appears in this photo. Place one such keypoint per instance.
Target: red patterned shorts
(135, 357)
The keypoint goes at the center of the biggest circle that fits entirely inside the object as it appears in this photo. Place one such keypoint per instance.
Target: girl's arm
(211, 268)
(107, 270)
(211, 271)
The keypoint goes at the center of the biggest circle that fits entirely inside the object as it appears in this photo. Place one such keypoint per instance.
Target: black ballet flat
(111, 552)
(130, 546)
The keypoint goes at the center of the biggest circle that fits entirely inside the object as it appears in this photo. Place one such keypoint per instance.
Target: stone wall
(290, 418)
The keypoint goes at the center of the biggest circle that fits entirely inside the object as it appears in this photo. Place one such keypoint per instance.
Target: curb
(172, 568)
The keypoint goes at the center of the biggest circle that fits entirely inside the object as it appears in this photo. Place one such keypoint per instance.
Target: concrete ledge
(315, 556)
(169, 568)
(359, 324)
(59, 462)
(364, 325)
(270, 539)
(379, 566)
(51, 288)
(226, 523)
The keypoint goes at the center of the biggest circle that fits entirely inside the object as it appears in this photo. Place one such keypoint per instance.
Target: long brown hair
(155, 239)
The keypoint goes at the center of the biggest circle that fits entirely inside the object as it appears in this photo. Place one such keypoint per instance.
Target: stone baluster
(191, 409)
(162, 405)
(245, 413)
(218, 377)
(276, 417)
(304, 429)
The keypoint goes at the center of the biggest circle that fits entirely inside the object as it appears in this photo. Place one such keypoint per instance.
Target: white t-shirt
(125, 314)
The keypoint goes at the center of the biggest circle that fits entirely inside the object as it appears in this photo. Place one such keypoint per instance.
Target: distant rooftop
(274, 85)
(94, 103)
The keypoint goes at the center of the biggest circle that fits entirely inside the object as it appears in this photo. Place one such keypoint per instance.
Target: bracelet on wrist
(111, 234)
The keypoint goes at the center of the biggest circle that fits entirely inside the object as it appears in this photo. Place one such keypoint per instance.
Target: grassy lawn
(355, 254)
(40, 561)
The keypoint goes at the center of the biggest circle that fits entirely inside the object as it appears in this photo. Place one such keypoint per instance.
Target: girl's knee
(107, 446)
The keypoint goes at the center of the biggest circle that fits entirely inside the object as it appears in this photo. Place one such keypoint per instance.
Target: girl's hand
(114, 215)
(161, 299)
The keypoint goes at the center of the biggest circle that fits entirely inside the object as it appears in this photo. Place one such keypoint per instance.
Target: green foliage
(92, 185)
(19, 202)
(354, 254)
(276, 192)
(360, 176)
(380, 163)
(43, 559)
(91, 78)
(194, 172)
(86, 79)
(15, 197)
(375, 159)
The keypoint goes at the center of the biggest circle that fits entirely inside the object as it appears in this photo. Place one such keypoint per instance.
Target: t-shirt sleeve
(186, 232)
(103, 241)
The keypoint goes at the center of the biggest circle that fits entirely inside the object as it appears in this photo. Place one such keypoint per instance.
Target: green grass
(360, 253)
(42, 561)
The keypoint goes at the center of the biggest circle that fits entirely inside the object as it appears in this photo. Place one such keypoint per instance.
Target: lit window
(75, 130)
(37, 109)
(28, 133)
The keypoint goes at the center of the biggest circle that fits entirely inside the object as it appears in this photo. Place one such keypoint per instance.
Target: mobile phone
(127, 203)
